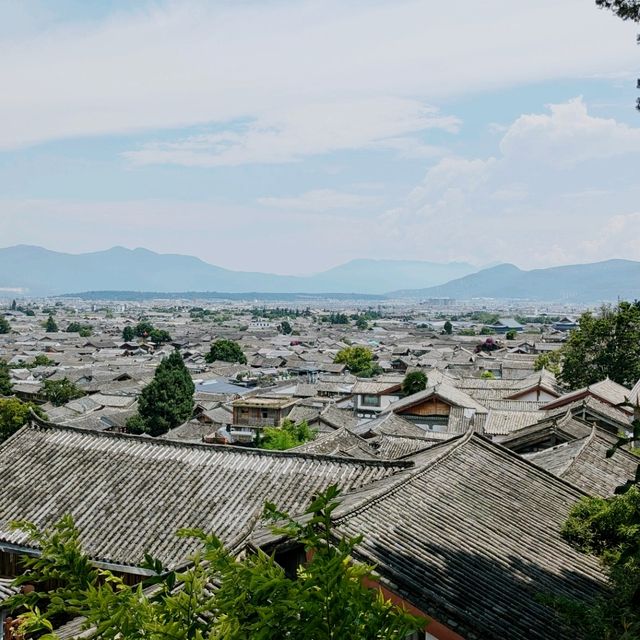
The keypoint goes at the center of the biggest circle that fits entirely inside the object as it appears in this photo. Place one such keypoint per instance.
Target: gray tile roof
(472, 537)
(130, 494)
(584, 463)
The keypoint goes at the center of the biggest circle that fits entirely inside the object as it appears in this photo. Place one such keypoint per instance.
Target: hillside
(599, 281)
(38, 271)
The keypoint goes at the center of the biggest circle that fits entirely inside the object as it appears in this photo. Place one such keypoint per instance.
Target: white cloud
(175, 64)
(293, 133)
(519, 206)
(568, 135)
(320, 200)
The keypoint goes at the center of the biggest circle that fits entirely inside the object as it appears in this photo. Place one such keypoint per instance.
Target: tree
(608, 528)
(254, 597)
(488, 375)
(128, 333)
(14, 414)
(143, 329)
(487, 346)
(414, 382)
(606, 345)
(167, 401)
(448, 327)
(42, 361)
(361, 323)
(626, 10)
(50, 325)
(5, 327)
(159, 336)
(5, 379)
(551, 361)
(487, 331)
(359, 360)
(84, 330)
(285, 327)
(287, 436)
(59, 392)
(14, 305)
(226, 351)
(512, 334)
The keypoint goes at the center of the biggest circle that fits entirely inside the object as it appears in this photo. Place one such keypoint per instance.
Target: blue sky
(292, 136)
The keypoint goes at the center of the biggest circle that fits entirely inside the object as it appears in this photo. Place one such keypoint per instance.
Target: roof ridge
(176, 444)
(403, 479)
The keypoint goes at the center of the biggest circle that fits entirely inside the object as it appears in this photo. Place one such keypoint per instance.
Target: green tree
(14, 414)
(143, 328)
(512, 334)
(625, 9)
(359, 360)
(488, 375)
(606, 345)
(361, 323)
(128, 333)
(414, 382)
(14, 305)
(448, 327)
(159, 336)
(5, 379)
(167, 401)
(226, 351)
(50, 325)
(254, 597)
(84, 330)
(42, 361)
(608, 528)
(285, 327)
(551, 361)
(59, 392)
(287, 436)
(487, 331)
(5, 327)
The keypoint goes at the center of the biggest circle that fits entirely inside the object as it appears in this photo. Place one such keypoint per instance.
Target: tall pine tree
(167, 401)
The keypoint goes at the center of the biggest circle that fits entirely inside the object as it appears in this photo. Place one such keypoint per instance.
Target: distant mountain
(38, 271)
(595, 282)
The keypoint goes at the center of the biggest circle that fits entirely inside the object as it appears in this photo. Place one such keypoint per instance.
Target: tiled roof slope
(471, 537)
(584, 463)
(130, 494)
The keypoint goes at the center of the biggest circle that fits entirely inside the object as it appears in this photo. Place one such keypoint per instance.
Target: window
(369, 400)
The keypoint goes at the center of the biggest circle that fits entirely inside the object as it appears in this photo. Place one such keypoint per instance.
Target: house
(565, 324)
(372, 397)
(129, 494)
(504, 325)
(441, 409)
(253, 413)
(470, 538)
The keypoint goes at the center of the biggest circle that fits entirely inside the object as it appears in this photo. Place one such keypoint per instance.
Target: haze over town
(292, 145)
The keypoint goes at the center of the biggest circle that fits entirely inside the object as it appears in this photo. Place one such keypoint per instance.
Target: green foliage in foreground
(606, 345)
(14, 414)
(608, 528)
(253, 597)
(287, 436)
(5, 327)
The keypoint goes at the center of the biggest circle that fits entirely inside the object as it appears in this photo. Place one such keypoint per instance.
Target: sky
(292, 136)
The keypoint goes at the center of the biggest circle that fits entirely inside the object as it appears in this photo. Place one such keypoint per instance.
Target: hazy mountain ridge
(40, 271)
(594, 282)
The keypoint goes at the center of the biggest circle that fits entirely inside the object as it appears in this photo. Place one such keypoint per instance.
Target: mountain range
(37, 271)
(594, 282)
